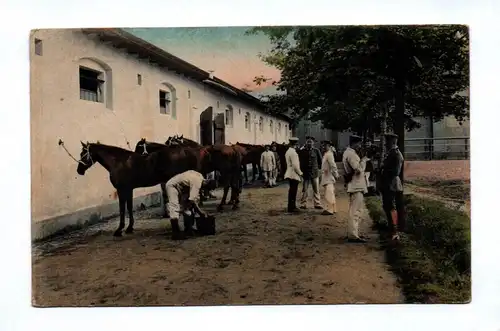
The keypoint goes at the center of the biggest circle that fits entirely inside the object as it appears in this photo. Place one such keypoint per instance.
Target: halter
(87, 154)
(145, 151)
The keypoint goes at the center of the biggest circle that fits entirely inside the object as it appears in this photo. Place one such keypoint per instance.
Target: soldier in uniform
(392, 186)
(329, 176)
(293, 174)
(277, 170)
(268, 165)
(183, 191)
(355, 180)
(310, 163)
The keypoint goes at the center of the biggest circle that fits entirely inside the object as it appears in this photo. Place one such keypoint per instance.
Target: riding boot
(176, 230)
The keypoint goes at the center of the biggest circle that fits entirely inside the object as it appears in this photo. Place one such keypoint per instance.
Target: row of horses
(154, 163)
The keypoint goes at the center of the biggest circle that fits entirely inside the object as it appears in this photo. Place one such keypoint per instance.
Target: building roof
(142, 49)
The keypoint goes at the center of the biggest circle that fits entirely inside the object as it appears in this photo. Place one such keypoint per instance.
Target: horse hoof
(129, 231)
(235, 207)
(117, 234)
(220, 208)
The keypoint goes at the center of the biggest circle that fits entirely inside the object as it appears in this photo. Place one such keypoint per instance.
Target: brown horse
(129, 170)
(238, 150)
(221, 158)
(229, 157)
(281, 150)
(140, 148)
(252, 157)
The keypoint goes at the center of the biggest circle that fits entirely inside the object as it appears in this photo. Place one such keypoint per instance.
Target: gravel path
(260, 255)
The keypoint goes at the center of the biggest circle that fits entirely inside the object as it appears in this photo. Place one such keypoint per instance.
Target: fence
(446, 148)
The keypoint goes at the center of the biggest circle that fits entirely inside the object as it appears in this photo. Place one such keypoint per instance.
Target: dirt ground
(260, 255)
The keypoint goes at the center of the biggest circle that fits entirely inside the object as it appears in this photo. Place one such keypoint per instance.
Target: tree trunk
(384, 131)
(399, 125)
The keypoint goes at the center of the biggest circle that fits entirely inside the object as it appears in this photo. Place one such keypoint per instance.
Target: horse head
(172, 140)
(86, 159)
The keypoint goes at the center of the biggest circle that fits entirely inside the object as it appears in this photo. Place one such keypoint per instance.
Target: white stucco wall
(131, 111)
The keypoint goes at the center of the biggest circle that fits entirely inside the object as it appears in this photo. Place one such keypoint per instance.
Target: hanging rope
(122, 130)
(61, 143)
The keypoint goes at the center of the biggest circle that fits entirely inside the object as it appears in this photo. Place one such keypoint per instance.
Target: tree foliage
(347, 76)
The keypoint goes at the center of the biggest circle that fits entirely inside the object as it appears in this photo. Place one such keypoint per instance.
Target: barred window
(91, 85)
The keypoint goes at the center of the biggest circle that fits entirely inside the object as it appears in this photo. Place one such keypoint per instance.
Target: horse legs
(245, 175)
(165, 199)
(235, 194)
(224, 197)
(122, 198)
(130, 208)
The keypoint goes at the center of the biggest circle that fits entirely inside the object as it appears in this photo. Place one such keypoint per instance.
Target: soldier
(183, 191)
(310, 163)
(392, 186)
(277, 170)
(356, 186)
(268, 165)
(329, 176)
(293, 174)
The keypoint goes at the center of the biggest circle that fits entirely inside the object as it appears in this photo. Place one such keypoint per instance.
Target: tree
(350, 75)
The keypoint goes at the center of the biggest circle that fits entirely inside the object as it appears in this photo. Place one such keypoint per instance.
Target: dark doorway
(206, 127)
(219, 129)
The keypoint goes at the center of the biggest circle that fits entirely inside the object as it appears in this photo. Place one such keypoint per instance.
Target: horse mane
(153, 143)
(190, 141)
(111, 149)
(176, 139)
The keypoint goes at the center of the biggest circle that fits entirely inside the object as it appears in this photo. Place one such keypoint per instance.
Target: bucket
(206, 225)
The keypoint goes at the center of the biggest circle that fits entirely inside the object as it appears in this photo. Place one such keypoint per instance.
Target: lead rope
(61, 143)
(122, 130)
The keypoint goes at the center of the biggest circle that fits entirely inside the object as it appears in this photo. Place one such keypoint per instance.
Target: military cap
(293, 139)
(324, 142)
(355, 138)
(310, 138)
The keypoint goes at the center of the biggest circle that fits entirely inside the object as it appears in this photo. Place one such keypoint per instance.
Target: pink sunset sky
(232, 55)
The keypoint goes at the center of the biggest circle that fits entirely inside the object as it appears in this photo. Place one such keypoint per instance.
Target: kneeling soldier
(183, 191)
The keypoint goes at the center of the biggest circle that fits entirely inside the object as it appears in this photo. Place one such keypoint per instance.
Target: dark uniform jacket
(278, 161)
(310, 162)
(391, 170)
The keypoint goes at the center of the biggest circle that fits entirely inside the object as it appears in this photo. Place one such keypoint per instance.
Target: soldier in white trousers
(329, 175)
(268, 165)
(356, 186)
(183, 191)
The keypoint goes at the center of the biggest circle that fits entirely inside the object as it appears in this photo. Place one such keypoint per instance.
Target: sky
(232, 55)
